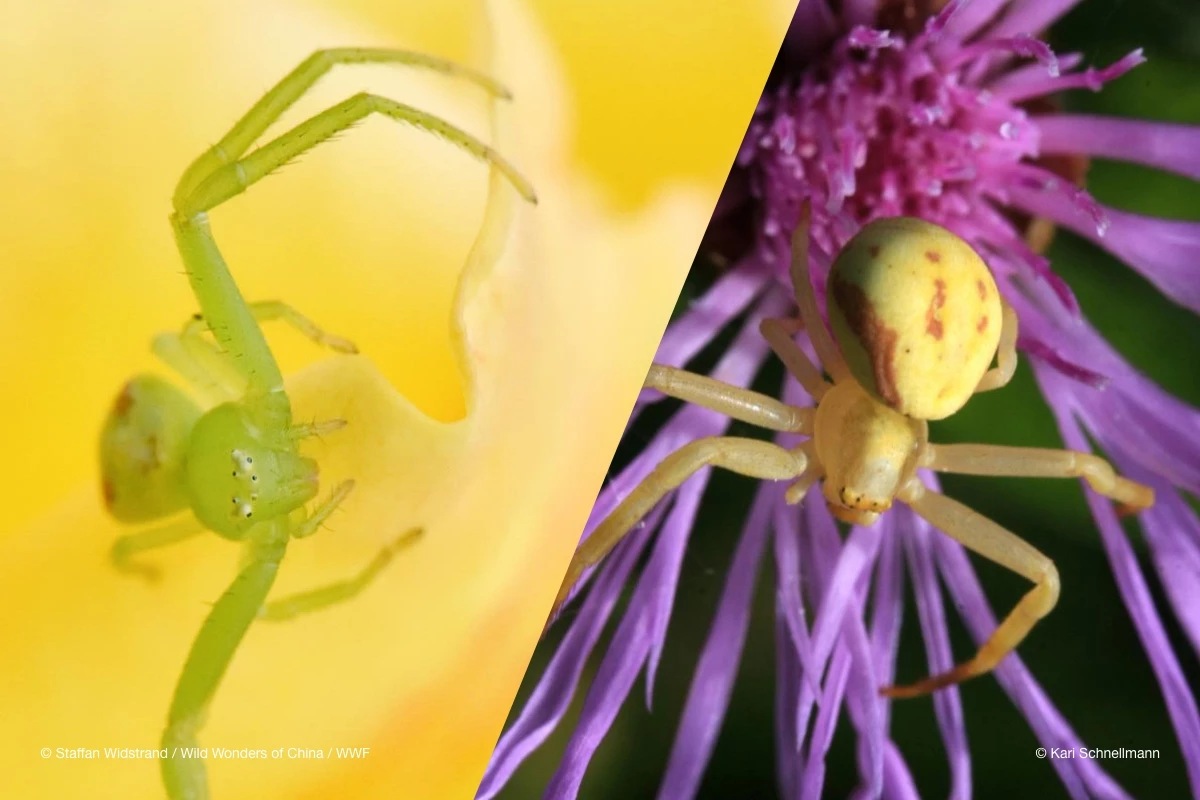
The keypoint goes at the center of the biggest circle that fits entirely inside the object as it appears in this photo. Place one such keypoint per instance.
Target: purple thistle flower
(937, 122)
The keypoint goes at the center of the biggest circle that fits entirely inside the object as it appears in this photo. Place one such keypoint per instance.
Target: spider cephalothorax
(238, 473)
(919, 320)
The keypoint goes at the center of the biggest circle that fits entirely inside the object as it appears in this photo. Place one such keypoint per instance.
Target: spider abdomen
(142, 448)
(916, 313)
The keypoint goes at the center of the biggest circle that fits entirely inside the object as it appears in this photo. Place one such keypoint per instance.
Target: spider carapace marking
(231, 463)
(918, 321)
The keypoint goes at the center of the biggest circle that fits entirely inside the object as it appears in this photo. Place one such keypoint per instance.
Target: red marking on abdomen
(933, 318)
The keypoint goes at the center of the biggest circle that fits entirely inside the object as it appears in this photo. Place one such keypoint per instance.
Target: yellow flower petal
(369, 237)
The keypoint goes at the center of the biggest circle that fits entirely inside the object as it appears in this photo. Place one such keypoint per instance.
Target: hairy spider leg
(219, 638)
(323, 597)
(222, 306)
(271, 310)
(293, 86)
(823, 343)
(995, 543)
(225, 171)
(751, 457)
(732, 401)
(186, 778)
(1037, 462)
(235, 177)
(184, 527)
(735, 402)
(780, 334)
(318, 518)
(1006, 353)
(797, 491)
(207, 369)
(202, 364)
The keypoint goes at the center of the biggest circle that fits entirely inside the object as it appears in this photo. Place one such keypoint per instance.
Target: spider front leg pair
(915, 314)
(236, 466)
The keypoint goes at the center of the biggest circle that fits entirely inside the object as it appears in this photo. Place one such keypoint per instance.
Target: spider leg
(201, 364)
(316, 429)
(997, 544)
(1036, 462)
(229, 318)
(779, 334)
(294, 85)
(234, 178)
(173, 532)
(315, 520)
(751, 457)
(732, 401)
(797, 491)
(270, 310)
(209, 659)
(326, 596)
(1006, 353)
(826, 348)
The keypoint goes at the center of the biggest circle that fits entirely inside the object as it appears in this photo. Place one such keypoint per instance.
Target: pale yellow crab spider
(918, 322)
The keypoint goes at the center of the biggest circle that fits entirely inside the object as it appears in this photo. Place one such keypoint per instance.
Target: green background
(1086, 654)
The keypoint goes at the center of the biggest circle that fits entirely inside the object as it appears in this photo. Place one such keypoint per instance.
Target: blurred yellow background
(626, 119)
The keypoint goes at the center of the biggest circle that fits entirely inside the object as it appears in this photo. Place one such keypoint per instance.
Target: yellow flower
(626, 137)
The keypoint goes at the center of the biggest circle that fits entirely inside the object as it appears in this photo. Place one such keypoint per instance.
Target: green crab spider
(236, 468)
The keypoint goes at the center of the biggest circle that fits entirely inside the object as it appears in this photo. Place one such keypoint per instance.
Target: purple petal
(730, 296)
(964, 20)
(1031, 73)
(737, 366)
(787, 591)
(839, 591)
(1147, 434)
(1171, 529)
(552, 696)
(1181, 705)
(812, 779)
(1031, 16)
(712, 683)
(1022, 45)
(947, 704)
(858, 12)
(631, 644)
(813, 25)
(1007, 250)
(1090, 78)
(787, 686)
(887, 605)
(1170, 147)
(660, 591)
(837, 571)
(1155, 430)
(1044, 352)
(1165, 252)
(898, 782)
(1081, 777)
(863, 701)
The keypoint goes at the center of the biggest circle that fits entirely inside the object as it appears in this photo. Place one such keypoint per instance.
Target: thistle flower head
(944, 118)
